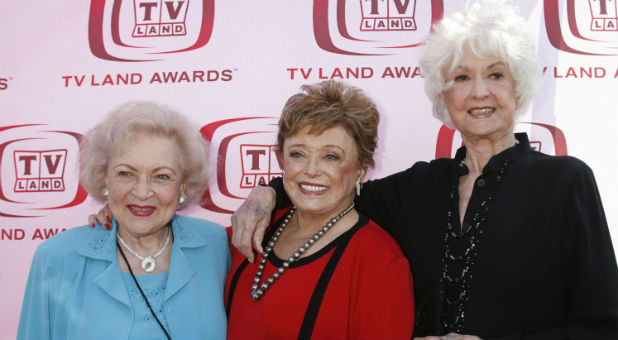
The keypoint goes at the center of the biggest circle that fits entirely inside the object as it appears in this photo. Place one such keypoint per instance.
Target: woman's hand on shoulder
(450, 336)
(251, 219)
(103, 217)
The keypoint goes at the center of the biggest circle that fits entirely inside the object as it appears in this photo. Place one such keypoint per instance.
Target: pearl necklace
(258, 290)
(148, 262)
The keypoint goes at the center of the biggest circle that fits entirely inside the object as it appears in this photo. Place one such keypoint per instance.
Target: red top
(369, 295)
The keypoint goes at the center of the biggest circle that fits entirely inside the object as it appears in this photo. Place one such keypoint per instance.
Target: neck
(480, 150)
(308, 224)
(145, 245)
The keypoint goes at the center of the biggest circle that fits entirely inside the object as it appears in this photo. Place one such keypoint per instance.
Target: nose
(479, 87)
(142, 189)
(312, 167)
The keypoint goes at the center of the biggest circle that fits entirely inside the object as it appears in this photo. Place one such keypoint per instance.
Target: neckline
(276, 261)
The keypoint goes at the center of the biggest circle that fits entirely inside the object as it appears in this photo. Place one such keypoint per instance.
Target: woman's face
(321, 171)
(144, 182)
(481, 102)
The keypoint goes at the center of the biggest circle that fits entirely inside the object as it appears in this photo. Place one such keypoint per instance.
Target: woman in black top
(503, 241)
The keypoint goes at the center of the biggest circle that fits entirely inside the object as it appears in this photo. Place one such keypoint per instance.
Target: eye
(296, 154)
(496, 75)
(124, 173)
(461, 77)
(331, 157)
(162, 177)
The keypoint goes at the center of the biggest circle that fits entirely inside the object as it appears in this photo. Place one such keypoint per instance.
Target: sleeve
(380, 199)
(35, 318)
(385, 305)
(589, 266)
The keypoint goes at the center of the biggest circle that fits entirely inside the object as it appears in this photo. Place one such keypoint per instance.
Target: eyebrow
(155, 169)
(322, 147)
(496, 63)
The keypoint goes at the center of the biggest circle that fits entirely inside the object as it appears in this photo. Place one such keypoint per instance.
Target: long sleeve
(589, 266)
(34, 322)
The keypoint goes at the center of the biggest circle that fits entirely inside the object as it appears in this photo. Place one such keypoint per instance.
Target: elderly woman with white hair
(148, 273)
(503, 241)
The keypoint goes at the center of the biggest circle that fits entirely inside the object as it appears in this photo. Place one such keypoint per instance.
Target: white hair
(148, 117)
(491, 28)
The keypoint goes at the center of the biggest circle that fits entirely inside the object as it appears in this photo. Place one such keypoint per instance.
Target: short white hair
(134, 117)
(491, 28)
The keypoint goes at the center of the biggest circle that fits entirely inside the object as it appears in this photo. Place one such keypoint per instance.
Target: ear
(362, 171)
(182, 187)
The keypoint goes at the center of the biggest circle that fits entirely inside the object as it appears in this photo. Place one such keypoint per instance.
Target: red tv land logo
(587, 27)
(39, 171)
(259, 165)
(36, 170)
(373, 27)
(160, 18)
(147, 30)
(543, 138)
(242, 154)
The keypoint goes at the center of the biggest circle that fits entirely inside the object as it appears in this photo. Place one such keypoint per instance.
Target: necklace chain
(257, 289)
(148, 262)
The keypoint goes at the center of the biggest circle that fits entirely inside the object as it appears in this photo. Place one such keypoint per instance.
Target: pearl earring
(105, 192)
(182, 199)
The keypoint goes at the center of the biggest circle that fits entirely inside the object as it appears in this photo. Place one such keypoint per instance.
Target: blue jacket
(76, 290)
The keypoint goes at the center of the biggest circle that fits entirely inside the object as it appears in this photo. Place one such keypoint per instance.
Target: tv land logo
(543, 138)
(148, 30)
(373, 27)
(242, 152)
(160, 18)
(583, 27)
(34, 176)
(39, 171)
(394, 15)
(259, 165)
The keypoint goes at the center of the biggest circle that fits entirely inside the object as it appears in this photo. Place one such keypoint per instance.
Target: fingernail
(108, 226)
(92, 225)
(108, 218)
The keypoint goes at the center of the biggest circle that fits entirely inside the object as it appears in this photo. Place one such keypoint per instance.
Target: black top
(545, 265)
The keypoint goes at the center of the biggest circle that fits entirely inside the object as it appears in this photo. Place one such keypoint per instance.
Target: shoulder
(201, 228)
(373, 239)
(559, 166)
(68, 241)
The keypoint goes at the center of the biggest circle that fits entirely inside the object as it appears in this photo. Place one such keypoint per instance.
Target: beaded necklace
(461, 247)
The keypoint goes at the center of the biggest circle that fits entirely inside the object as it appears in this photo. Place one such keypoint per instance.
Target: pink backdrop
(231, 65)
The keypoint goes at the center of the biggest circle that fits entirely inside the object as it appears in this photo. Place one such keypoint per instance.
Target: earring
(182, 199)
(105, 192)
(358, 186)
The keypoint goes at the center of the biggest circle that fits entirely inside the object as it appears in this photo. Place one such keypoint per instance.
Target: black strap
(233, 284)
(311, 315)
(141, 291)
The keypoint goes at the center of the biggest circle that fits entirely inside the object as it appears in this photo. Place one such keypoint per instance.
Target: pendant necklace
(258, 290)
(148, 262)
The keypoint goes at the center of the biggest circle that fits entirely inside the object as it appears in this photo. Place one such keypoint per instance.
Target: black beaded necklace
(461, 247)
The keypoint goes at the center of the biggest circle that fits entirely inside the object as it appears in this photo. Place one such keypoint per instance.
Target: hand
(450, 336)
(251, 219)
(104, 217)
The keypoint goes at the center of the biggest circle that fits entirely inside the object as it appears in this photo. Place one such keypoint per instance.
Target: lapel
(101, 247)
(182, 270)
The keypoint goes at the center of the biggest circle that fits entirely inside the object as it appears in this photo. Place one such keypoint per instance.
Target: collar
(101, 243)
(511, 155)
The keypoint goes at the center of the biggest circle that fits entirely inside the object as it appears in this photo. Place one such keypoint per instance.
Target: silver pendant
(148, 264)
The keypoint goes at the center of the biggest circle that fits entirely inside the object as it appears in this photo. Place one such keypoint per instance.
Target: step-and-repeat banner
(231, 65)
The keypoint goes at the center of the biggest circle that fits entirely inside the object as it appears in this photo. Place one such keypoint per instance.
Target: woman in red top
(327, 271)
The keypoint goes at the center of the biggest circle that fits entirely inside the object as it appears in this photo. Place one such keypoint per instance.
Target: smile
(486, 111)
(313, 188)
(141, 211)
